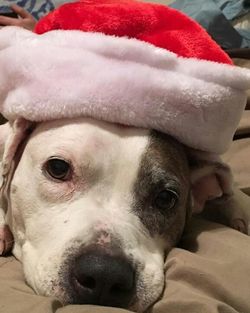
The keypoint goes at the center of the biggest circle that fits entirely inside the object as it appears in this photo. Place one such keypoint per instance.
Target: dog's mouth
(110, 273)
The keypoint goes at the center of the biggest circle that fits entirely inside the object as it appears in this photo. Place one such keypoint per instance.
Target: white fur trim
(72, 73)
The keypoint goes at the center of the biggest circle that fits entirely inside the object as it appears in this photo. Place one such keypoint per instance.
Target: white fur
(48, 217)
(71, 73)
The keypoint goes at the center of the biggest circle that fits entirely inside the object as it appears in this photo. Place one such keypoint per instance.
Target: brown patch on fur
(164, 165)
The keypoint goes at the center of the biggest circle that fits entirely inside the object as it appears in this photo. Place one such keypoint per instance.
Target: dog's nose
(103, 279)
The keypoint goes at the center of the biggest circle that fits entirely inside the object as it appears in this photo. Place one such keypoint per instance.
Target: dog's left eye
(166, 199)
(58, 169)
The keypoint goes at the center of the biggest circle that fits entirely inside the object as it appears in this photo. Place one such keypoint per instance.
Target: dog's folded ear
(6, 238)
(214, 194)
(12, 137)
(211, 179)
(5, 131)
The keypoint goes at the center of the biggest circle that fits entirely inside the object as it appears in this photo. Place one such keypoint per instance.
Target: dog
(95, 207)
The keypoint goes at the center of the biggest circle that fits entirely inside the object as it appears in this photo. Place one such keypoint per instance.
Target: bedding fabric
(208, 273)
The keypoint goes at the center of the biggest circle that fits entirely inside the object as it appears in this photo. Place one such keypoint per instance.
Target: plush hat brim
(63, 74)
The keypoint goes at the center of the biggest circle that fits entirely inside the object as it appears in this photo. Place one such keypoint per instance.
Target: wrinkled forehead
(88, 140)
(94, 141)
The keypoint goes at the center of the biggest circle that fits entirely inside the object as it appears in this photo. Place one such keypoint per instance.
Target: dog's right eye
(58, 169)
(166, 200)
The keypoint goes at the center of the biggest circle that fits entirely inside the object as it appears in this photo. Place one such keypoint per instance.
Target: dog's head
(95, 207)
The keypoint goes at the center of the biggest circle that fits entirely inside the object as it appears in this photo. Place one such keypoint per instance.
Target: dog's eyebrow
(156, 174)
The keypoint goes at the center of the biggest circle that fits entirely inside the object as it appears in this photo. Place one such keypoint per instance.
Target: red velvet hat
(157, 24)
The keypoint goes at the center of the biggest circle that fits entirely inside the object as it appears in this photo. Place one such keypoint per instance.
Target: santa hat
(128, 62)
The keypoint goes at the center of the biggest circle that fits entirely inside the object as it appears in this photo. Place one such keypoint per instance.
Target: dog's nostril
(87, 282)
(103, 279)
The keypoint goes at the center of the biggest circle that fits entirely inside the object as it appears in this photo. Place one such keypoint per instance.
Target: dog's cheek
(55, 192)
(150, 280)
(41, 272)
(147, 253)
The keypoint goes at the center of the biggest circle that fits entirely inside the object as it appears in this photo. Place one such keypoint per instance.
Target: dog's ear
(6, 238)
(5, 131)
(211, 179)
(12, 137)
(215, 195)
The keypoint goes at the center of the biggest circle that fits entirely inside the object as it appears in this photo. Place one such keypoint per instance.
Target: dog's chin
(140, 303)
(67, 298)
(137, 293)
(63, 289)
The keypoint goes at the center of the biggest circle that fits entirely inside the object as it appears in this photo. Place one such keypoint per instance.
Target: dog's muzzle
(100, 278)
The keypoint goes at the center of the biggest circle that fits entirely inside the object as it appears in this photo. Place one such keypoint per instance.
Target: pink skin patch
(104, 238)
(240, 225)
(206, 188)
(100, 226)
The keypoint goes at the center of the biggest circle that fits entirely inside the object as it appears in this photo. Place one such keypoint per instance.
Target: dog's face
(95, 207)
